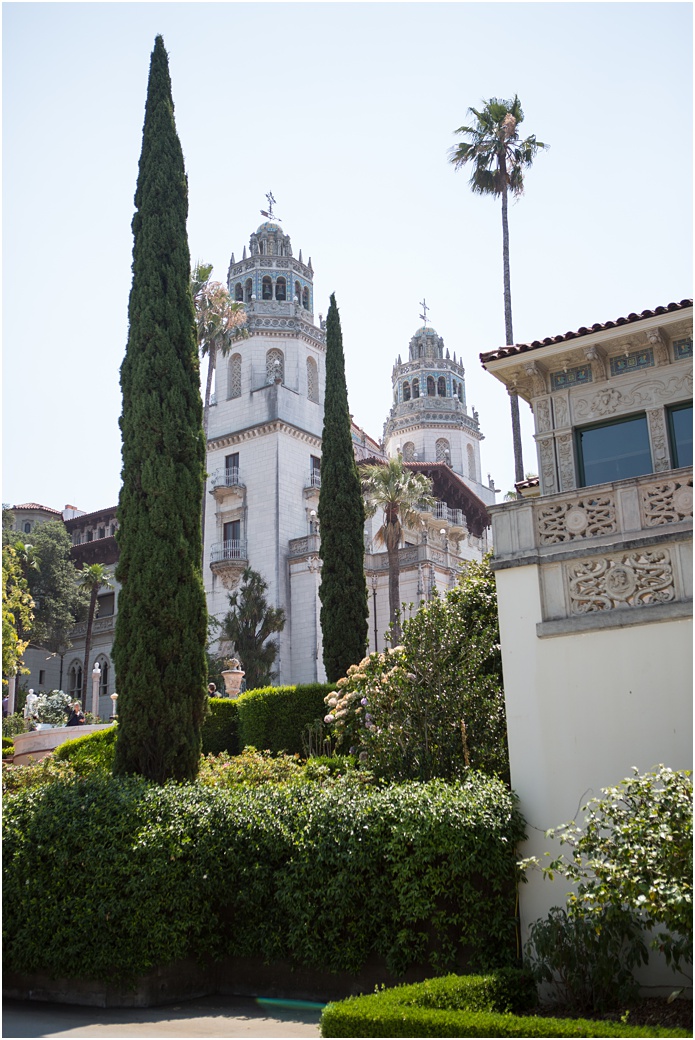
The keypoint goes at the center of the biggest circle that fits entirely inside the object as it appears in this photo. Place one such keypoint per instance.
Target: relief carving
(657, 436)
(586, 517)
(542, 413)
(561, 412)
(667, 503)
(536, 380)
(565, 457)
(659, 347)
(547, 465)
(633, 579)
(602, 403)
(598, 362)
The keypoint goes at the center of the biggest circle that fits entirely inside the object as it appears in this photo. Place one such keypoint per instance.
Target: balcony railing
(231, 550)
(314, 480)
(226, 478)
(444, 512)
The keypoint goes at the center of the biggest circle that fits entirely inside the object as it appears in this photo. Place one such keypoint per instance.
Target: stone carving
(633, 579)
(605, 402)
(658, 438)
(542, 412)
(598, 362)
(565, 458)
(561, 412)
(547, 465)
(235, 375)
(312, 379)
(274, 366)
(668, 502)
(314, 564)
(536, 380)
(586, 517)
(659, 346)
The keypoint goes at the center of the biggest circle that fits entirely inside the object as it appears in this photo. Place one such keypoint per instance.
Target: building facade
(593, 564)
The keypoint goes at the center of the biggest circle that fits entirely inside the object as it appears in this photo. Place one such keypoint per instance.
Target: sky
(346, 112)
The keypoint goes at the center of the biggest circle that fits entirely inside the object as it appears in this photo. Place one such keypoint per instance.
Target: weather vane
(425, 309)
(269, 212)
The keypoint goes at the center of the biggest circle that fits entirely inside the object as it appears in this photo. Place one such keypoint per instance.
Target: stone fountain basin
(37, 744)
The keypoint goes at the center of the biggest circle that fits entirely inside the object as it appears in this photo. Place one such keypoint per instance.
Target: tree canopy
(248, 626)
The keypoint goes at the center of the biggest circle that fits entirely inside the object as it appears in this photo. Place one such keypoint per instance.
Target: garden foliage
(249, 624)
(93, 751)
(274, 718)
(161, 627)
(433, 706)
(325, 875)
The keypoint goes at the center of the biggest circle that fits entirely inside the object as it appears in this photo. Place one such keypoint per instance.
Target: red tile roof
(522, 348)
(37, 505)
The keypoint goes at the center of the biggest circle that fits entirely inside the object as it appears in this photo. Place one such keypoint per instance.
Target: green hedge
(473, 1006)
(323, 876)
(275, 717)
(221, 727)
(90, 751)
(7, 742)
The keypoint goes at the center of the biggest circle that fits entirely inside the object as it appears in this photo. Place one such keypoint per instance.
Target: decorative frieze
(587, 517)
(682, 349)
(668, 502)
(631, 579)
(570, 377)
(632, 362)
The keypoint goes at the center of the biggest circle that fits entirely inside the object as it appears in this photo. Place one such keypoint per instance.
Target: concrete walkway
(206, 1017)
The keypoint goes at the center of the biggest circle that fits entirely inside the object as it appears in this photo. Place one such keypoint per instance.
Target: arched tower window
(441, 387)
(416, 387)
(408, 452)
(430, 386)
(281, 289)
(298, 292)
(461, 392)
(441, 449)
(274, 366)
(471, 462)
(234, 376)
(75, 680)
(239, 292)
(406, 390)
(305, 298)
(267, 290)
(248, 290)
(312, 380)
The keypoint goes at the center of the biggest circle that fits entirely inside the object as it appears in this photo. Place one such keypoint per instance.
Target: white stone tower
(429, 420)
(264, 449)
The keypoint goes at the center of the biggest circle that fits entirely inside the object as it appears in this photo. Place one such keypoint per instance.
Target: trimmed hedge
(473, 1006)
(274, 717)
(221, 727)
(89, 752)
(324, 876)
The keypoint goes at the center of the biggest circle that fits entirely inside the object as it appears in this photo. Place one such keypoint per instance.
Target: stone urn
(232, 675)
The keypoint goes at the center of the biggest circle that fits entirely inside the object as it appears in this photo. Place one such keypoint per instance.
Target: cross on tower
(269, 212)
(425, 309)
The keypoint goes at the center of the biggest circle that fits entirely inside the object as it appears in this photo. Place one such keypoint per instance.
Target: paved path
(206, 1017)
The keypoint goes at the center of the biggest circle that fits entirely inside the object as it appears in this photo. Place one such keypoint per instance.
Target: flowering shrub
(434, 706)
(53, 707)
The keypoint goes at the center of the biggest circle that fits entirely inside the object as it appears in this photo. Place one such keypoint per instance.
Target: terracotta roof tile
(522, 348)
(37, 505)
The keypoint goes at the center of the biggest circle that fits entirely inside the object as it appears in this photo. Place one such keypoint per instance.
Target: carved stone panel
(546, 453)
(561, 411)
(565, 461)
(631, 579)
(541, 410)
(658, 439)
(667, 502)
(587, 517)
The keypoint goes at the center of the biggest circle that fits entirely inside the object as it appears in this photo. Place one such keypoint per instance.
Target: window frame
(672, 443)
(605, 424)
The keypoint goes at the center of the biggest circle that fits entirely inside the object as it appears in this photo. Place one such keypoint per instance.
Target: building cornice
(250, 433)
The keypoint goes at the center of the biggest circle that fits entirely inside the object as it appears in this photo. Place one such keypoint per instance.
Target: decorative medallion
(576, 521)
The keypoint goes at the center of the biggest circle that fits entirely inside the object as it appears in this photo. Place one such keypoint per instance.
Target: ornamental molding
(265, 430)
(541, 410)
(605, 402)
(565, 459)
(659, 439)
(546, 449)
(657, 341)
(632, 579)
(648, 393)
(668, 502)
(587, 516)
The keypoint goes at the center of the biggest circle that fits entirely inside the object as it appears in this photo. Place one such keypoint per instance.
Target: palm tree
(499, 159)
(400, 493)
(92, 578)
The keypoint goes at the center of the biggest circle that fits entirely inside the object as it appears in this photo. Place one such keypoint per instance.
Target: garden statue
(232, 675)
(30, 713)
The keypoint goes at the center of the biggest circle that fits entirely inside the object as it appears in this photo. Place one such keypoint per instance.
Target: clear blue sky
(346, 112)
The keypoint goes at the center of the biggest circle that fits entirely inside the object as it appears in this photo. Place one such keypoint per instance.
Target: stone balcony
(101, 626)
(610, 554)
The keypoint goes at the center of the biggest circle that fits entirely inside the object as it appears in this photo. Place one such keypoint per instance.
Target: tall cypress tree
(343, 589)
(159, 646)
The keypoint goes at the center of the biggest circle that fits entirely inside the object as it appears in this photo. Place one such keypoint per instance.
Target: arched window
(441, 450)
(312, 380)
(75, 680)
(248, 290)
(305, 298)
(267, 290)
(103, 662)
(441, 387)
(281, 289)
(461, 392)
(234, 377)
(416, 387)
(27, 528)
(298, 292)
(408, 451)
(406, 391)
(471, 462)
(430, 386)
(274, 366)
(239, 292)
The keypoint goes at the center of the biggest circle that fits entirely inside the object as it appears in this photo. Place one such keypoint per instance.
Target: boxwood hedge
(323, 876)
(473, 1006)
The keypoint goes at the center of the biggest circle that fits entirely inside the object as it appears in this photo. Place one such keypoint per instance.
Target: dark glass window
(680, 428)
(106, 605)
(613, 451)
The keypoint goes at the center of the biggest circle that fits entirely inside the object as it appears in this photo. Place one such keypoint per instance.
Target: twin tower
(264, 443)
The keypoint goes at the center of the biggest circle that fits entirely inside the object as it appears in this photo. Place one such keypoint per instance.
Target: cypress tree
(343, 590)
(159, 646)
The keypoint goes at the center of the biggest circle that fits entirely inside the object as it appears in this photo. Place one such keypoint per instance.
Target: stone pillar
(96, 678)
(11, 693)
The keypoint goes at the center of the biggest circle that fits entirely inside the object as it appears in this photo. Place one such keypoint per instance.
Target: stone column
(11, 692)
(96, 678)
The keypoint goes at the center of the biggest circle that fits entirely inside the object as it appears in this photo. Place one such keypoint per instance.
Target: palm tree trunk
(394, 596)
(212, 358)
(509, 336)
(88, 646)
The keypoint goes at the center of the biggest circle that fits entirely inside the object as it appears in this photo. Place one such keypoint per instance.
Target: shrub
(93, 751)
(13, 724)
(53, 707)
(7, 750)
(7, 742)
(39, 774)
(250, 767)
(633, 855)
(221, 727)
(275, 717)
(434, 706)
(325, 875)
(587, 960)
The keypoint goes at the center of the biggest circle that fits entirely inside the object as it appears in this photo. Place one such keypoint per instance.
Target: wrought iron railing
(234, 549)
